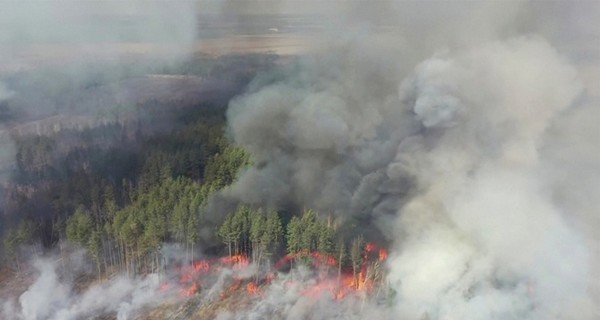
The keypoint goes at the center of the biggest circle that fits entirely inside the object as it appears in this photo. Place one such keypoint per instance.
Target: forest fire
(191, 276)
(383, 254)
(359, 281)
(190, 291)
(253, 289)
(231, 289)
(333, 278)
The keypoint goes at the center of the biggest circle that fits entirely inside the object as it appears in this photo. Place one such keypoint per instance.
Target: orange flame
(237, 262)
(339, 287)
(190, 291)
(348, 283)
(253, 289)
(383, 254)
(370, 247)
(191, 275)
(201, 266)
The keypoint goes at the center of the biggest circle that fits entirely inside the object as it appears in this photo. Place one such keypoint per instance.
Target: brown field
(30, 56)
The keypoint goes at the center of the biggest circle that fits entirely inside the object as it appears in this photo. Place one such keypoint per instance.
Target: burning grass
(330, 277)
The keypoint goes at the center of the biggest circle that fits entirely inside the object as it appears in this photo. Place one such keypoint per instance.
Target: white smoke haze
(53, 296)
(60, 290)
(51, 53)
(5, 93)
(85, 24)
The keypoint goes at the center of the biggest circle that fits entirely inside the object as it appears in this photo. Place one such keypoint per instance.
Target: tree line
(115, 192)
(121, 192)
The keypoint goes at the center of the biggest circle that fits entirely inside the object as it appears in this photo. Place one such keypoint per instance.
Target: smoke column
(471, 153)
(464, 135)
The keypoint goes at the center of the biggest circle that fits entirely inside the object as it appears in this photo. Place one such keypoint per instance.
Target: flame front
(332, 279)
(253, 289)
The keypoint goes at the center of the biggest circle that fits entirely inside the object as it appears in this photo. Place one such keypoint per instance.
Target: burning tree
(254, 234)
(356, 255)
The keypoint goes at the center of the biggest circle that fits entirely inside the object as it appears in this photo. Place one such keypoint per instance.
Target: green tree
(294, 236)
(325, 240)
(227, 233)
(94, 247)
(193, 228)
(258, 230)
(274, 232)
(110, 203)
(241, 228)
(79, 227)
(223, 168)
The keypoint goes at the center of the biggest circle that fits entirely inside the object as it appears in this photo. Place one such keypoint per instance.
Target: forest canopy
(122, 191)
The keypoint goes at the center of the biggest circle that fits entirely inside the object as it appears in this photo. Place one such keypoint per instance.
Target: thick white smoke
(484, 238)
(477, 166)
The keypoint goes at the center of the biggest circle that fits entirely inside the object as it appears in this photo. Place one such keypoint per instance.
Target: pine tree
(294, 236)
(94, 247)
(274, 233)
(258, 229)
(179, 221)
(227, 233)
(241, 230)
(193, 228)
(79, 227)
(325, 239)
(110, 204)
(309, 227)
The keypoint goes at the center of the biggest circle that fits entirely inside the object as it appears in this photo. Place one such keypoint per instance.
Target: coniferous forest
(123, 189)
